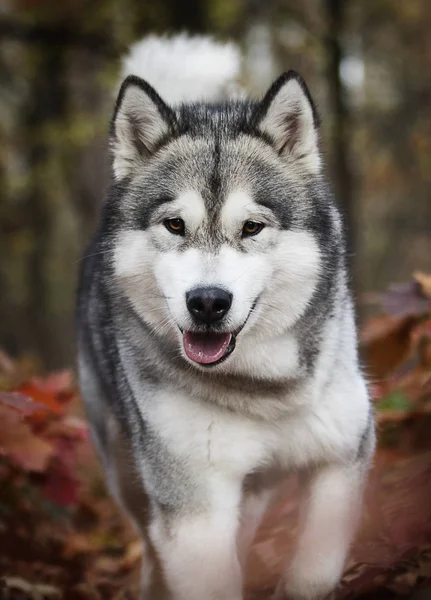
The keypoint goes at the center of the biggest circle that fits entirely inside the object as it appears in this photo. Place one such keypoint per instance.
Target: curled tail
(184, 68)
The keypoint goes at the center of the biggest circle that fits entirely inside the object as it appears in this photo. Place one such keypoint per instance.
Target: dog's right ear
(141, 122)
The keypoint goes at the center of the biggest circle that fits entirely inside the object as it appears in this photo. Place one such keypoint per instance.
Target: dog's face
(218, 229)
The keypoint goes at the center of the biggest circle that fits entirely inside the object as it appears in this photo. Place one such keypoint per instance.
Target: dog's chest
(210, 438)
(207, 437)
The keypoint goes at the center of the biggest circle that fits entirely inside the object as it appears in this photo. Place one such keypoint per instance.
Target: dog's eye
(251, 228)
(175, 226)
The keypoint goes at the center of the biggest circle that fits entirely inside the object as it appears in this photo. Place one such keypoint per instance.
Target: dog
(217, 345)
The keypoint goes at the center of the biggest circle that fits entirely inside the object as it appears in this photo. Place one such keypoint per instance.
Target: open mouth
(211, 347)
(208, 348)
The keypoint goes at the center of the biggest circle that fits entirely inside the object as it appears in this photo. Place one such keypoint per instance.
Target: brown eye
(175, 226)
(251, 228)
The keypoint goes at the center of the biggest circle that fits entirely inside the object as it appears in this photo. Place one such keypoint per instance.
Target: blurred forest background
(367, 62)
(368, 65)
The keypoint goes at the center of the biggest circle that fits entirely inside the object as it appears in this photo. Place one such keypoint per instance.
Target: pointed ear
(288, 118)
(141, 122)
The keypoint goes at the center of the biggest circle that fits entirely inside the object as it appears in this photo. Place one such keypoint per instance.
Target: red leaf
(20, 444)
(61, 486)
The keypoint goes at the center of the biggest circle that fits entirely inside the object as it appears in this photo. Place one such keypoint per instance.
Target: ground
(61, 536)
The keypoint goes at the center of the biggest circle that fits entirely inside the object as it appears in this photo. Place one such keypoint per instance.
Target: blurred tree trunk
(341, 132)
(187, 15)
(47, 105)
(50, 210)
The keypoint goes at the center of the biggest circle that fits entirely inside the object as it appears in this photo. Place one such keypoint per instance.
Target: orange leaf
(53, 392)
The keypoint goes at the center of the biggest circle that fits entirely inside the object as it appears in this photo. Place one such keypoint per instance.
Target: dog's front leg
(198, 556)
(328, 522)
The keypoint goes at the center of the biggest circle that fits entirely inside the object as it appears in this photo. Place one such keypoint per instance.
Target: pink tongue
(206, 348)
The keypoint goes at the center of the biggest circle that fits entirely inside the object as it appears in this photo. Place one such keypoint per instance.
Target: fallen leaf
(39, 591)
(20, 444)
(61, 484)
(22, 403)
(407, 299)
(386, 343)
(424, 280)
(36, 390)
(133, 555)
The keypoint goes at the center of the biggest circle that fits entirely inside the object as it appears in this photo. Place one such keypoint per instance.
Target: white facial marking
(241, 274)
(190, 207)
(236, 208)
(133, 264)
(239, 207)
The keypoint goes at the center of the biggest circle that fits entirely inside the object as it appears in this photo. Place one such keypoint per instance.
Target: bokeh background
(367, 63)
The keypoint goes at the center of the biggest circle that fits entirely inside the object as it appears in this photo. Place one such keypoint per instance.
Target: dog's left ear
(288, 119)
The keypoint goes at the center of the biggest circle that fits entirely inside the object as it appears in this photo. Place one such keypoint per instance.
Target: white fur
(330, 518)
(184, 68)
(199, 555)
(289, 122)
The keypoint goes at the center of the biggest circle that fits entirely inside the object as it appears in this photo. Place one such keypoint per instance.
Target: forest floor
(62, 537)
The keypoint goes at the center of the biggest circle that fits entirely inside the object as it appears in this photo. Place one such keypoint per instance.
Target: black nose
(208, 305)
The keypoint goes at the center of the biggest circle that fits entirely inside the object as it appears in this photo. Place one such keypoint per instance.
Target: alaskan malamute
(217, 340)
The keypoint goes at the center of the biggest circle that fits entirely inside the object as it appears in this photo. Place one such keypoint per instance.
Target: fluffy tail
(184, 68)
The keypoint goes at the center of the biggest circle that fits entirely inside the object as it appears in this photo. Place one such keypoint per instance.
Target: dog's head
(221, 214)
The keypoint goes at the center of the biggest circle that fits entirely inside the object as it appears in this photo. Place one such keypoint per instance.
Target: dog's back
(217, 343)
